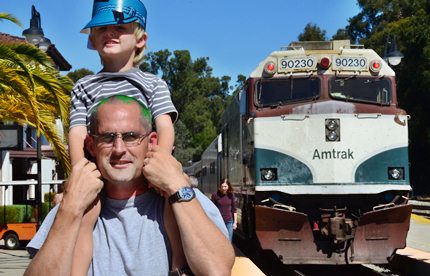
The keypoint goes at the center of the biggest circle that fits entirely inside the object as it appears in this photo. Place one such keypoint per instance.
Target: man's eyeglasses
(129, 138)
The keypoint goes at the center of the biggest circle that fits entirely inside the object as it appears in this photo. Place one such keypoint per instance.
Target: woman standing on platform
(226, 202)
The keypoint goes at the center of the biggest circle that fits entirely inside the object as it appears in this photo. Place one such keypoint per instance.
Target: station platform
(419, 233)
(243, 266)
(418, 240)
(416, 254)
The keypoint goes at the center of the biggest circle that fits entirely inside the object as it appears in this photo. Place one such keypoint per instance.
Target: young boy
(117, 32)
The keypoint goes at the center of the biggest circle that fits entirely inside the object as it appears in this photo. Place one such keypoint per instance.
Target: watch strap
(173, 198)
(183, 194)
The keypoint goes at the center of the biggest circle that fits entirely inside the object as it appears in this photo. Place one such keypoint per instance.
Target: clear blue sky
(235, 34)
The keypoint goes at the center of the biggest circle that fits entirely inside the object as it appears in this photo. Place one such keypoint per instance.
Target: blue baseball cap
(113, 12)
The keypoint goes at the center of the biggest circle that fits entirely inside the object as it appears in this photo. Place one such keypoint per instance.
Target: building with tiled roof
(52, 51)
(19, 169)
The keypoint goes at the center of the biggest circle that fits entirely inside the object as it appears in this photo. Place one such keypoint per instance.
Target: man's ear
(90, 145)
(153, 140)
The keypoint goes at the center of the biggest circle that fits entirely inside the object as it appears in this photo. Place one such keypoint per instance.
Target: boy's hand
(163, 171)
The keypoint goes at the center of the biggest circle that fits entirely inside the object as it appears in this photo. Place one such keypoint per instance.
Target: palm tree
(33, 92)
(10, 17)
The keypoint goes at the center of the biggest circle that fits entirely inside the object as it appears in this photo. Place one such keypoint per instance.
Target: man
(129, 235)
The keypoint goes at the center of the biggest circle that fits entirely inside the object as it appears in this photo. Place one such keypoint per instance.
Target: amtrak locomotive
(316, 148)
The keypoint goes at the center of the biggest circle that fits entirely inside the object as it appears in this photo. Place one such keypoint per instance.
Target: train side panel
(210, 167)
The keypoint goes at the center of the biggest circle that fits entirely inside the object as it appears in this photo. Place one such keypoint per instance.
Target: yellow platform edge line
(420, 219)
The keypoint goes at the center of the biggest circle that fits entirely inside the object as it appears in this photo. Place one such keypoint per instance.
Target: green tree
(341, 34)
(240, 84)
(183, 152)
(312, 33)
(409, 22)
(33, 92)
(199, 97)
(78, 74)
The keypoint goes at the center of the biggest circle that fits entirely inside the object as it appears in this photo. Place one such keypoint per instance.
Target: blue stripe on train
(294, 172)
(375, 169)
(290, 170)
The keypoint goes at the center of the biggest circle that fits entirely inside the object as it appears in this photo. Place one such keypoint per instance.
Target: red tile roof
(7, 38)
(52, 51)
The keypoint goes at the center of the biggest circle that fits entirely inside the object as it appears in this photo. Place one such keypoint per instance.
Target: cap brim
(106, 19)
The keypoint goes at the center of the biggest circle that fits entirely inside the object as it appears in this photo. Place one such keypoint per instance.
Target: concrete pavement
(418, 236)
(12, 262)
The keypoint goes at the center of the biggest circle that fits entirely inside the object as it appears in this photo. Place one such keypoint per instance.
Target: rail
(420, 207)
(28, 182)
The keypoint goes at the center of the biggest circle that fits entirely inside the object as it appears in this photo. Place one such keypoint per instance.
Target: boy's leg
(83, 253)
(178, 257)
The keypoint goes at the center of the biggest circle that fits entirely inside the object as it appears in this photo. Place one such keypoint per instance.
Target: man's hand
(82, 189)
(83, 186)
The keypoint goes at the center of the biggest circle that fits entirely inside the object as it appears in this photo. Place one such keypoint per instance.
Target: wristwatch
(183, 194)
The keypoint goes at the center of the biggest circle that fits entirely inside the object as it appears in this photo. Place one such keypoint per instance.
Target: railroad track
(420, 207)
(399, 267)
(271, 266)
(366, 269)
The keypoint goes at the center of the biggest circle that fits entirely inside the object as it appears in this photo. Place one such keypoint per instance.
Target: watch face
(186, 193)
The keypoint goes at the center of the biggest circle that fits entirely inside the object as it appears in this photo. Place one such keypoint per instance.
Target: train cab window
(242, 103)
(275, 92)
(369, 90)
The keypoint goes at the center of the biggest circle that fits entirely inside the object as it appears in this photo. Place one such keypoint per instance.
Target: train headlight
(331, 124)
(269, 174)
(397, 173)
(332, 130)
(332, 136)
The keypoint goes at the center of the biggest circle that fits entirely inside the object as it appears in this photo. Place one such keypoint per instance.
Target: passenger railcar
(316, 148)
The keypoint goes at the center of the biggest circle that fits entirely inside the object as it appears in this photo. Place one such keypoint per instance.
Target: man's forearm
(207, 249)
(56, 255)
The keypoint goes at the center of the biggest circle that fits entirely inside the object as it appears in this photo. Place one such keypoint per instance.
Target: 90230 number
(351, 63)
(290, 64)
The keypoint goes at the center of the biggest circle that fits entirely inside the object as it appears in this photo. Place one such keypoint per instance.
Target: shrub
(49, 197)
(17, 213)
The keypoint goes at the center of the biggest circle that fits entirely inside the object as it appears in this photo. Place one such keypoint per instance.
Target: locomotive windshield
(275, 92)
(370, 90)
